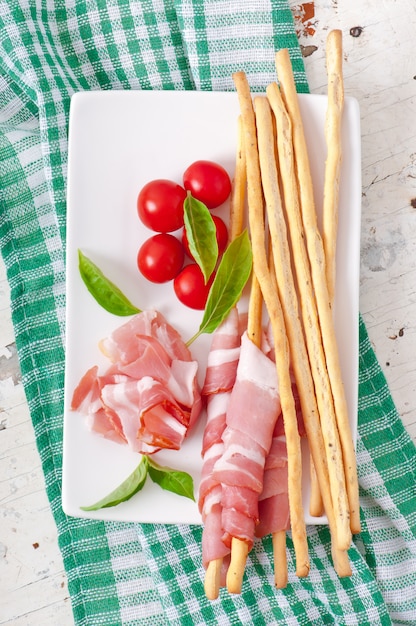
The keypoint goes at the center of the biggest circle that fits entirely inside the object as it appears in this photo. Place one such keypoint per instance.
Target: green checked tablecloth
(151, 574)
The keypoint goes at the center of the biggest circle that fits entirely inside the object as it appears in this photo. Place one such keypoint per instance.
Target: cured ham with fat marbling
(148, 397)
(219, 380)
(223, 356)
(253, 410)
(274, 499)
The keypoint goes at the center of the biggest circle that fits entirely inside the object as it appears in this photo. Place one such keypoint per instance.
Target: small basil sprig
(201, 235)
(169, 479)
(232, 275)
(128, 488)
(103, 290)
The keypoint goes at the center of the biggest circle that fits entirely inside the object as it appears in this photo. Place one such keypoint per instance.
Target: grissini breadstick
(213, 571)
(212, 579)
(239, 548)
(334, 154)
(286, 166)
(277, 230)
(235, 572)
(283, 273)
(340, 557)
(261, 269)
(308, 309)
(316, 505)
(239, 187)
(331, 192)
(317, 259)
(279, 536)
(280, 559)
(255, 310)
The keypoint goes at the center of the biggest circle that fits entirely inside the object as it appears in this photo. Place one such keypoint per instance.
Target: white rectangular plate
(118, 141)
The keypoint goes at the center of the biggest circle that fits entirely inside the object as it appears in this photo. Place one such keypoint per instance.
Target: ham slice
(269, 342)
(148, 397)
(216, 412)
(210, 506)
(219, 380)
(87, 400)
(223, 356)
(253, 410)
(242, 461)
(120, 346)
(212, 545)
(148, 413)
(274, 499)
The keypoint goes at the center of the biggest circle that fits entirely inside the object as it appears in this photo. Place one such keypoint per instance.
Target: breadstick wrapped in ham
(252, 413)
(219, 380)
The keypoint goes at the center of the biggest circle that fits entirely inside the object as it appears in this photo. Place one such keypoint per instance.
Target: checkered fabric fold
(131, 574)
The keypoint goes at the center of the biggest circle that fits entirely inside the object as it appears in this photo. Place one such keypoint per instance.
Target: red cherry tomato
(190, 287)
(221, 232)
(160, 258)
(208, 182)
(160, 205)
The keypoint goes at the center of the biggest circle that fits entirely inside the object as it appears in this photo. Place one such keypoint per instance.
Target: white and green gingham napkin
(132, 574)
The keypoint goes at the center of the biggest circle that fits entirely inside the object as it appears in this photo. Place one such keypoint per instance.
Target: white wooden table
(380, 71)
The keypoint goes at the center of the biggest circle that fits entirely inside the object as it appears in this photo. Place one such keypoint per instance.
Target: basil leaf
(128, 488)
(231, 277)
(201, 235)
(176, 481)
(103, 290)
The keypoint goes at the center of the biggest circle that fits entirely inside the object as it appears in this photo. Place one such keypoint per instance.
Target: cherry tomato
(160, 205)
(208, 182)
(221, 232)
(160, 258)
(190, 287)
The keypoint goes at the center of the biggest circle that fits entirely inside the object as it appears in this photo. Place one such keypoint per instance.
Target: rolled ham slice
(148, 413)
(274, 499)
(216, 411)
(148, 397)
(219, 380)
(223, 356)
(210, 491)
(253, 410)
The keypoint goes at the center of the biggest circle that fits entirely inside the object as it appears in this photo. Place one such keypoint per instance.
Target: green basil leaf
(103, 290)
(230, 280)
(173, 480)
(128, 488)
(201, 235)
